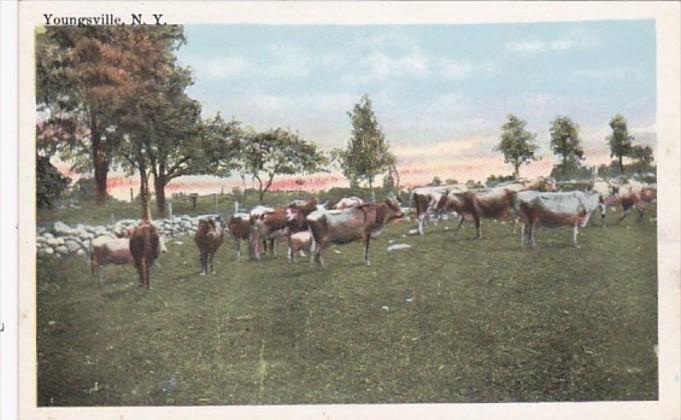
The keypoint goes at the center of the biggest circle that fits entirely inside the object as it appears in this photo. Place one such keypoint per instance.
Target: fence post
(170, 209)
(132, 198)
(236, 206)
(215, 196)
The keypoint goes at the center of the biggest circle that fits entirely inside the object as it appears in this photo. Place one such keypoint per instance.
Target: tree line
(115, 98)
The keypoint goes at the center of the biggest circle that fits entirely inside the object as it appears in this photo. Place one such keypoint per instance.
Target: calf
(145, 247)
(273, 224)
(239, 226)
(300, 242)
(554, 209)
(209, 236)
(352, 224)
(496, 203)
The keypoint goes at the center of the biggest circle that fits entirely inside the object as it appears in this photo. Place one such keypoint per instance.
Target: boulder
(61, 228)
(80, 253)
(72, 246)
(48, 251)
(61, 250)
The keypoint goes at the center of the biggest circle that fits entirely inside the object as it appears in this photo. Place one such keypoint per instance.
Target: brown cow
(352, 224)
(144, 247)
(239, 226)
(209, 236)
(495, 203)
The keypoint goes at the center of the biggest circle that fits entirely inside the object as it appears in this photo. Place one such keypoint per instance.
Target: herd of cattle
(308, 226)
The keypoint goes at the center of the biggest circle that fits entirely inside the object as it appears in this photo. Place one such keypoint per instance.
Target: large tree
(620, 141)
(367, 153)
(50, 183)
(643, 158)
(277, 152)
(517, 144)
(88, 76)
(565, 139)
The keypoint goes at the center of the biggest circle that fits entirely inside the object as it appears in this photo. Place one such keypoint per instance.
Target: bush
(50, 183)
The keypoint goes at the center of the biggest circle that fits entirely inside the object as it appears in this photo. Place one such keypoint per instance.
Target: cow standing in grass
(496, 203)
(105, 250)
(209, 236)
(631, 195)
(362, 222)
(554, 209)
(144, 246)
(239, 226)
(269, 225)
(425, 200)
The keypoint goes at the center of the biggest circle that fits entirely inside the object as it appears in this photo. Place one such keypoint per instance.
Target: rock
(47, 235)
(61, 249)
(396, 247)
(52, 241)
(48, 251)
(72, 246)
(62, 228)
(80, 252)
(413, 231)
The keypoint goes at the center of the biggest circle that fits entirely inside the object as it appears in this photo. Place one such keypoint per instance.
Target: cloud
(411, 65)
(221, 67)
(576, 39)
(611, 73)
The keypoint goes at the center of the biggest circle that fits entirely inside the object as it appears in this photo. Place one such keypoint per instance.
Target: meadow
(447, 320)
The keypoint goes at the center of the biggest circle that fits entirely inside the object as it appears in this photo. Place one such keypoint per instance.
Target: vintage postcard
(349, 209)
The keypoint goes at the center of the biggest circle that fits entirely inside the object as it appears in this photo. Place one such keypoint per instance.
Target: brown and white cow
(299, 242)
(425, 200)
(536, 209)
(362, 222)
(239, 226)
(208, 238)
(145, 247)
(496, 203)
(269, 225)
(631, 195)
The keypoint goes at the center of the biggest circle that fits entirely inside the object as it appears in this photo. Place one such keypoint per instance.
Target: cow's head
(295, 216)
(393, 209)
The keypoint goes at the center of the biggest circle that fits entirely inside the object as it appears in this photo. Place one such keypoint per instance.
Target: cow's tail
(93, 259)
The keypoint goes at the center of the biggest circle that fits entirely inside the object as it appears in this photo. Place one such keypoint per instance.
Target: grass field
(444, 321)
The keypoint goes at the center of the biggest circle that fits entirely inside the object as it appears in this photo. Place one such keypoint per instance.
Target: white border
(666, 15)
(8, 209)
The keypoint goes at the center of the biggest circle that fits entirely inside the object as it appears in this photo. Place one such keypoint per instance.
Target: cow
(361, 222)
(105, 250)
(269, 225)
(209, 236)
(145, 247)
(347, 202)
(425, 200)
(572, 208)
(631, 195)
(496, 203)
(239, 226)
(298, 243)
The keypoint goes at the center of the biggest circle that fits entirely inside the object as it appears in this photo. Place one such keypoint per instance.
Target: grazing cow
(348, 225)
(425, 200)
(145, 247)
(347, 202)
(554, 209)
(208, 238)
(631, 195)
(496, 203)
(239, 225)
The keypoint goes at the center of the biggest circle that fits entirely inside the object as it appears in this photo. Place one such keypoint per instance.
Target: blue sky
(441, 92)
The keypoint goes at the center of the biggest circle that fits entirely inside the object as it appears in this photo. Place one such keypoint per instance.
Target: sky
(440, 92)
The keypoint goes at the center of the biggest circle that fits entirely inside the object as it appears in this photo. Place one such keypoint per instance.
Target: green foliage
(642, 157)
(367, 153)
(620, 141)
(570, 169)
(517, 144)
(493, 180)
(436, 181)
(565, 139)
(50, 183)
(277, 152)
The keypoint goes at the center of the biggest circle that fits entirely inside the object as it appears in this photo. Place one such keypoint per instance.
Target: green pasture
(447, 320)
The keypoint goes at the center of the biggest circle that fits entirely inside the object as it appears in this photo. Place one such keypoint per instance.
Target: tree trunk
(621, 165)
(101, 165)
(261, 195)
(159, 190)
(516, 172)
(144, 194)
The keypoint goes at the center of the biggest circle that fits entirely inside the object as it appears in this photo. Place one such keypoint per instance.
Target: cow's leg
(478, 232)
(575, 232)
(641, 210)
(316, 257)
(367, 239)
(522, 235)
(533, 232)
(273, 250)
(203, 257)
(421, 220)
(290, 250)
(100, 275)
(212, 268)
(604, 211)
(238, 249)
(625, 213)
(461, 219)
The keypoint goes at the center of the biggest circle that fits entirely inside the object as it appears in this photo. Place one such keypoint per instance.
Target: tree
(642, 156)
(277, 152)
(516, 143)
(620, 141)
(50, 183)
(436, 181)
(91, 74)
(565, 139)
(367, 153)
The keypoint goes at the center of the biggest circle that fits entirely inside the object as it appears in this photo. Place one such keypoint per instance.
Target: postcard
(349, 209)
